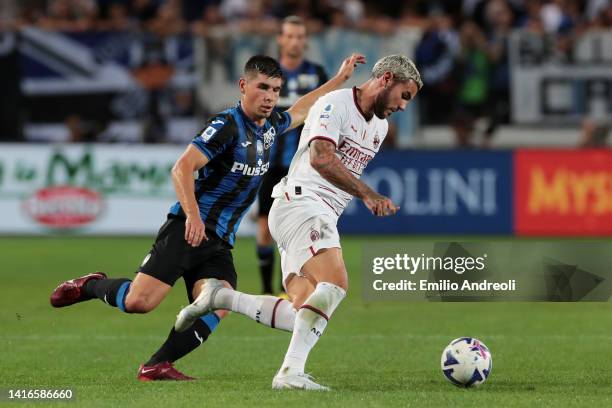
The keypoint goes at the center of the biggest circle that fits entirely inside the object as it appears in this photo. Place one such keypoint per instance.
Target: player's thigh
(327, 265)
(216, 263)
(167, 259)
(299, 288)
(146, 293)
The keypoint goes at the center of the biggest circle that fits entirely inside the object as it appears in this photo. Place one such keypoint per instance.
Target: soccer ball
(466, 362)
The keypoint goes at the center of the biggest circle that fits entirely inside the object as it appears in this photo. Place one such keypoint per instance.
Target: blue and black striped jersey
(239, 155)
(307, 77)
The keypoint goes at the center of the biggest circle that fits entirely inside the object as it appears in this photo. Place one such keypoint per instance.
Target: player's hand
(195, 232)
(348, 66)
(380, 205)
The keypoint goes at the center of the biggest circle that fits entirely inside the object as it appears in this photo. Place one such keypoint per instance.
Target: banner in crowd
(549, 89)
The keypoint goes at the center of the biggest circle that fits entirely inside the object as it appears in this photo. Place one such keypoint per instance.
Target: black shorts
(272, 177)
(172, 257)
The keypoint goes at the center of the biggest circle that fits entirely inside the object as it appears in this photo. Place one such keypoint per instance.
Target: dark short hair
(262, 64)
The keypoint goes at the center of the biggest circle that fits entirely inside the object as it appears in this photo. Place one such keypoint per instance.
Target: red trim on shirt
(357, 105)
(287, 195)
(328, 189)
(329, 139)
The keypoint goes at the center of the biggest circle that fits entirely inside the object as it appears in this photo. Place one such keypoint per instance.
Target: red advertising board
(563, 192)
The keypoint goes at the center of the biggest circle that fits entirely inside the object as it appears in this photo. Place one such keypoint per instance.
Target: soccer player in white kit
(342, 133)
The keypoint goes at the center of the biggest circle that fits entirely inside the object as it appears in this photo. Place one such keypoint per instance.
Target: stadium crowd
(381, 16)
(462, 53)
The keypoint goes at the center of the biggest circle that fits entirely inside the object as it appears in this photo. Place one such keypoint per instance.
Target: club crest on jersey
(314, 235)
(376, 141)
(269, 138)
(260, 147)
(208, 133)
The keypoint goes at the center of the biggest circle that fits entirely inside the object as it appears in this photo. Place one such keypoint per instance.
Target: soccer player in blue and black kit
(301, 76)
(231, 156)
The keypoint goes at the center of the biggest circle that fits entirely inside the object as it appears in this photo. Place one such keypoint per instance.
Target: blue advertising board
(439, 192)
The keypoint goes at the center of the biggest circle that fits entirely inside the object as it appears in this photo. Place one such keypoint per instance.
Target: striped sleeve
(215, 137)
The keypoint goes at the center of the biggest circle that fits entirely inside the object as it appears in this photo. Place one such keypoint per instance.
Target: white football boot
(298, 381)
(202, 305)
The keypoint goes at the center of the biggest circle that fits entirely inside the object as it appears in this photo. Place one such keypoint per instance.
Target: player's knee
(298, 301)
(138, 304)
(341, 282)
(338, 278)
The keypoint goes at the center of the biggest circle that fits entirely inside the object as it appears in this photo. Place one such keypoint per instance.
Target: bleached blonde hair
(400, 66)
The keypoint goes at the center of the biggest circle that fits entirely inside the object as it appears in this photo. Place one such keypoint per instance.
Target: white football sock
(310, 323)
(269, 310)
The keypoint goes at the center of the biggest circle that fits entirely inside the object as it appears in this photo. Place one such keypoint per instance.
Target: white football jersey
(335, 117)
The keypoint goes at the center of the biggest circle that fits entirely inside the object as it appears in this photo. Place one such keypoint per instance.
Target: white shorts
(301, 226)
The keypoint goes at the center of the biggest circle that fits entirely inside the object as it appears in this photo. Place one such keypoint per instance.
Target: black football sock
(266, 266)
(111, 291)
(178, 344)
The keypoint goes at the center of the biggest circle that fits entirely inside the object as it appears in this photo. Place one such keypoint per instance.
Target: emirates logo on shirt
(354, 156)
(314, 235)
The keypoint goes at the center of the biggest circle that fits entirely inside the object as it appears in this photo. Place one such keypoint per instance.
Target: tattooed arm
(324, 160)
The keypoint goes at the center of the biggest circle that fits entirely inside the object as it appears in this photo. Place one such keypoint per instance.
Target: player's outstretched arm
(182, 177)
(300, 108)
(324, 160)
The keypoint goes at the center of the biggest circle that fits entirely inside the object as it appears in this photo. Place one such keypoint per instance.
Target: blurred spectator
(377, 17)
(144, 10)
(532, 20)
(594, 8)
(473, 88)
(167, 20)
(596, 124)
(115, 18)
(194, 10)
(70, 15)
(435, 57)
(81, 131)
(603, 19)
(594, 133)
(467, 76)
(499, 22)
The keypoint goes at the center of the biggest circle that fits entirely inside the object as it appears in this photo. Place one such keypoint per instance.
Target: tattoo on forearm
(331, 168)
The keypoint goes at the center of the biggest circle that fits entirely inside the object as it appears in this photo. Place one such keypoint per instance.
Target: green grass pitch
(378, 354)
